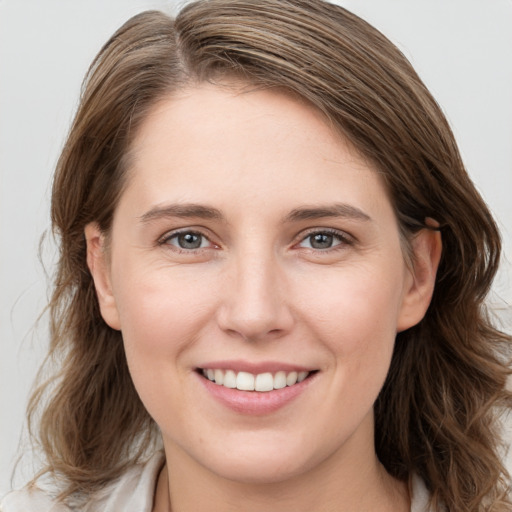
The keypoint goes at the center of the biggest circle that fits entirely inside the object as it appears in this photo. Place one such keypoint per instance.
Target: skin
(259, 289)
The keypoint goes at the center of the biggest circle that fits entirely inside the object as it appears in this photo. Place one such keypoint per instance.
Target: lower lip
(255, 402)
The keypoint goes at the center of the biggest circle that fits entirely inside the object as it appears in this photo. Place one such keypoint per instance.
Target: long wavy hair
(437, 414)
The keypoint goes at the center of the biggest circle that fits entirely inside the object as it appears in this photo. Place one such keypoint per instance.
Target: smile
(262, 382)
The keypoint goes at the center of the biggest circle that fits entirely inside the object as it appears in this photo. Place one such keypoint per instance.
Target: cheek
(162, 314)
(162, 311)
(352, 313)
(355, 308)
(354, 316)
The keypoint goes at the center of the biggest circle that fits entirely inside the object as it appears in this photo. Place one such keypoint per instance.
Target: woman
(273, 266)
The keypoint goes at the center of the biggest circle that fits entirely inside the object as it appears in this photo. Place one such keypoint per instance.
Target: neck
(329, 486)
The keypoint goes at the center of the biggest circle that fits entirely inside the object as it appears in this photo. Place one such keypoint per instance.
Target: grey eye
(188, 240)
(320, 241)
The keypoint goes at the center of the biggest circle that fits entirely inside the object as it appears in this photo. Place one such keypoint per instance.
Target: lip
(255, 368)
(254, 403)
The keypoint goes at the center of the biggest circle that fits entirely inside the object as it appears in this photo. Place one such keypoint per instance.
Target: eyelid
(345, 238)
(168, 235)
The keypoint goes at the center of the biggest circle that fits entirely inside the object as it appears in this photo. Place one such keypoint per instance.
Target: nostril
(254, 314)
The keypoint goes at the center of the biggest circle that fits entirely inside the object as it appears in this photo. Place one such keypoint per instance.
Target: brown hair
(437, 413)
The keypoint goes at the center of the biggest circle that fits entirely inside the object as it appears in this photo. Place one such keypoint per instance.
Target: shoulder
(420, 496)
(31, 499)
(132, 492)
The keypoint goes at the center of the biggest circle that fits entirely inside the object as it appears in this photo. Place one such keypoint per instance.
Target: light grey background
(461, 48)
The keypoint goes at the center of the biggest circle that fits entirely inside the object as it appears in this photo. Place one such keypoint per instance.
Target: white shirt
(134, 491)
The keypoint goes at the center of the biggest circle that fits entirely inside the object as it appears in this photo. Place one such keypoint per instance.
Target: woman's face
(253, 247)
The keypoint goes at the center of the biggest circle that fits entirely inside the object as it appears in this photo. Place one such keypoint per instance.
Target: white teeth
(291, 378)
(245, 381)
(229, 379)
(301, 376)
(219, 377)
(262, 382)
(280, 380)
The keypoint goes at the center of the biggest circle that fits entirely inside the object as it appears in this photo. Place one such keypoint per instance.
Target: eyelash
(343, 240)
(165, 240)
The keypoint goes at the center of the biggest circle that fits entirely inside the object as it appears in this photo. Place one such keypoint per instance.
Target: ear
(97, 261)
(426, 248)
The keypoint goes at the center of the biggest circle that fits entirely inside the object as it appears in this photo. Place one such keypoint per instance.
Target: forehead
(251, 143)
(206, 110)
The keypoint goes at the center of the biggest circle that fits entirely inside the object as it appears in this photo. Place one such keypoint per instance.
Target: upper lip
(255, 367)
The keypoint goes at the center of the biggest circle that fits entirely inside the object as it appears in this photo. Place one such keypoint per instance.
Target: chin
(259, 463)
(271, 470)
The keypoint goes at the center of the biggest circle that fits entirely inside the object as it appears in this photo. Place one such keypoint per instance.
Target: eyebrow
(192, 210)
(189, 210)
(336, 210)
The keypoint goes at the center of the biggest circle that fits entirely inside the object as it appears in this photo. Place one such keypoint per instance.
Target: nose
(255, 303)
